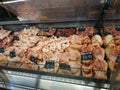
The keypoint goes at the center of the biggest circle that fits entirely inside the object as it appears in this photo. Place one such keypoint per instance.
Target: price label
(12, 54)
(16, 38)
(33, 59)
(81, 28)
(64, 66)
(86, 56)
(96, 32)
(117, 27)
(106, 32)
(50, 64)
(118, 58)
(63, 32)
(1, 49)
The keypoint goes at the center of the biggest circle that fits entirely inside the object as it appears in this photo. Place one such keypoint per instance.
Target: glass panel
(55, 9)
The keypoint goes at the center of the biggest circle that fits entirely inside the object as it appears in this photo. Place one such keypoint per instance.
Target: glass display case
(59, 44)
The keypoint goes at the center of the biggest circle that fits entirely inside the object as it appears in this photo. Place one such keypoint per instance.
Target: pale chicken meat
(111, 53)
(4, 33)
(75, 67)
(98, 52)
(108, 41)
(100, 69)
(97, 40)
(87, 69)
(86, 40)
(75, 39)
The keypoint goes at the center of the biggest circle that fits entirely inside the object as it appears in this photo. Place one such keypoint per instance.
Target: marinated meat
(65, 32)
(100, 68)
(98, 52)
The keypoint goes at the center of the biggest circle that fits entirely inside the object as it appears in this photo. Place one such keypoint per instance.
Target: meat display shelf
(36, 80)
(59, 13)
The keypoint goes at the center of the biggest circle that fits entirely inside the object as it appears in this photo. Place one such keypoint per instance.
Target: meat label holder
(81, 28)
(1, 49)
(33, 59)
(16, 38)
(86, 55)
(118, 59)
(49, 64)
(64, 66)
(117, 27)
(106, 32)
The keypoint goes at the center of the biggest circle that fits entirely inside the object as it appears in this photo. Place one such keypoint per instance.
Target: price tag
(16, 38)
(1, 49)
(96, 32)
(117, 27)
(49, 64)
(33, 59)
(63, 32)
(118, 58)
(86, 56)
(46, 30)
(64, 66)
(12, 54)
(106, 32)
(81, 28)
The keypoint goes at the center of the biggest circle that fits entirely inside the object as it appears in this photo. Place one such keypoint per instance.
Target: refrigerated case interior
(60, 42)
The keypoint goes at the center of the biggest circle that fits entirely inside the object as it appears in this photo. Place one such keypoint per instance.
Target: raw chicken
(100, 69)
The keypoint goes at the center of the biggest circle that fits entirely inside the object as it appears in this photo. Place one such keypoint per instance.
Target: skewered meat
(100, 69)
(97, 40)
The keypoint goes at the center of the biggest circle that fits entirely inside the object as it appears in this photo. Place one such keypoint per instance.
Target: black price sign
(106, 32)
(117, 27)
(118, 58)
(49, 64)
(62, 32)
(86, 55)
(81, 28)
(1, 49)
(16, 38)
(96, 32)
(64, 66)
(12, 54)
(33, 59)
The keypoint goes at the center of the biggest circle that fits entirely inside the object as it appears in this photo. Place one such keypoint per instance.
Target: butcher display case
(60, 44)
